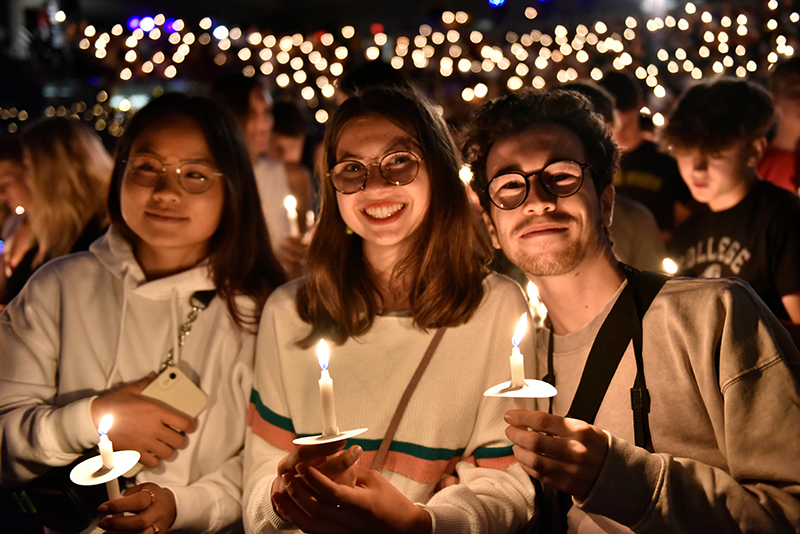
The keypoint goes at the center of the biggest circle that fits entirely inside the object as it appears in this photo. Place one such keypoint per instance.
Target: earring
(348, 231)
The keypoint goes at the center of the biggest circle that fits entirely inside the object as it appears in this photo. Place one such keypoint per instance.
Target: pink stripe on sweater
(272, 434)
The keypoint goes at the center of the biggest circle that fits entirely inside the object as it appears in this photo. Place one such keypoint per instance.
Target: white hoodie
(89, 322)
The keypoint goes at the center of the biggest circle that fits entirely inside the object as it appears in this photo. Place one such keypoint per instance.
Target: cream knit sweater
(447, 420)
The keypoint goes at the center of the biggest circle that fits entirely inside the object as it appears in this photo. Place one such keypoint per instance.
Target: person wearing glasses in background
(90, 330)
(723, 453)
(397, 255)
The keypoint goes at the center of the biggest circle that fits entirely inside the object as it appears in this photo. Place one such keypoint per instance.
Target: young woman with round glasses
(397, 256)
(90, 331)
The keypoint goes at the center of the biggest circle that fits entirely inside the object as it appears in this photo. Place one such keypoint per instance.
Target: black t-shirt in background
(758, 240)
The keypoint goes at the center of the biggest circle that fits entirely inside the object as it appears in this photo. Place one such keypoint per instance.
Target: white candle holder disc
(320, 439)
(533, 389)
(91, 472)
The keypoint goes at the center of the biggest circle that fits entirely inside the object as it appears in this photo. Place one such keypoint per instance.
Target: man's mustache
(550, 218)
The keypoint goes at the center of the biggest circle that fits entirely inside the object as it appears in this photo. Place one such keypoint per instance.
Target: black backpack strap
(622, 325)
(645, 286)
(604, 357)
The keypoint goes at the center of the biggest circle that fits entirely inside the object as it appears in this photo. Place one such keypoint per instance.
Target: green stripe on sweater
(268, 415)
(493, 452)
(412, 449)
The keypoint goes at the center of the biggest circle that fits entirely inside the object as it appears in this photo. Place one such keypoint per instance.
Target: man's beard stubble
(561, 262)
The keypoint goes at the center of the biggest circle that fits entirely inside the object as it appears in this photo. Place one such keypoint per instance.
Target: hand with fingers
(565, 453)
(141, 424)
(151, 508)
(316, 504)
(335, 463)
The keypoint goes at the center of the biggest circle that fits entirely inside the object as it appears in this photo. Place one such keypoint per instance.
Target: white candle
(329, 426)
(107, 454)
(517, 359)
(290, 203)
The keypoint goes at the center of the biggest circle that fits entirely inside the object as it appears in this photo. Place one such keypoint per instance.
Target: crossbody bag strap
(604, 357)
(383, 450)
(623, 324)
(645, 286)
(199, 302)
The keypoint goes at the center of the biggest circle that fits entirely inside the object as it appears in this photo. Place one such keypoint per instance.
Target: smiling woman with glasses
(397, 258)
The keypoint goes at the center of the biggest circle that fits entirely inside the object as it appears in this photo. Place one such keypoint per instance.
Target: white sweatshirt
(90, 322)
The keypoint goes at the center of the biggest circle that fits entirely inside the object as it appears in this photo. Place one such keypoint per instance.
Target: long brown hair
(68, 176)
(447, 261)
(240, 256)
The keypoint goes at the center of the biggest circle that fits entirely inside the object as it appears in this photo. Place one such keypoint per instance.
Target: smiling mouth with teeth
(383, 212)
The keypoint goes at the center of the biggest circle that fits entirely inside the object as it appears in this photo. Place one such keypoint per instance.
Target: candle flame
(19, 210)
(670, 267)
(290, 203)
(519, 333)
(532, 291)
(323, 354)
(105, 424)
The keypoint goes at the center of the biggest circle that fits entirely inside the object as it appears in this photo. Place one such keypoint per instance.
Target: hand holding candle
(290, 203)
(107, 454)
(329, 426)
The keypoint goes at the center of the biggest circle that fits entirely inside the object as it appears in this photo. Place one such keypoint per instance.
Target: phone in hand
(173, 388)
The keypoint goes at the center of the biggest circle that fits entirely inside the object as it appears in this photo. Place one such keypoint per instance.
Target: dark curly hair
(520, 111)
(713, 116)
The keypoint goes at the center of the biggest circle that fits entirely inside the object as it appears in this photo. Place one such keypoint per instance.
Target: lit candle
(517, 359)
(290, 203)
(329, 426)
(310, 217)
(107, 454)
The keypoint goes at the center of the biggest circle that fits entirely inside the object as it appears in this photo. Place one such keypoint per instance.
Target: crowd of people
(678, 399)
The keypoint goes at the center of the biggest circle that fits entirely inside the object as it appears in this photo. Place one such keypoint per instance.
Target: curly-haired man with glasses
(708, 437)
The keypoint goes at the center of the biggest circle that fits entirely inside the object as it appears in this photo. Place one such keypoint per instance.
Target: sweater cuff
(73, 428)
(195, 509)
(447, 519)
(267, 508)
(630, 470)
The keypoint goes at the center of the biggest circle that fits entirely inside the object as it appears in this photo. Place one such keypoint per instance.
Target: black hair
(241, 259)
(625, 89)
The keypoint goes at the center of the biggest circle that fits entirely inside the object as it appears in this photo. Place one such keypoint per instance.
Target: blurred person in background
(288, 132)
(15, 200)
(645, 175)
(749, 228)
(67, 170)
(779, 163)
(252, 107)
(634, 231)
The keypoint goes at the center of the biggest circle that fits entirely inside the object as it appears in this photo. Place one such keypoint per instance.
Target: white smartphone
(176, 390)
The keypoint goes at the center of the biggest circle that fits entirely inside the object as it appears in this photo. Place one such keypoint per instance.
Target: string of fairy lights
(667, 52)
